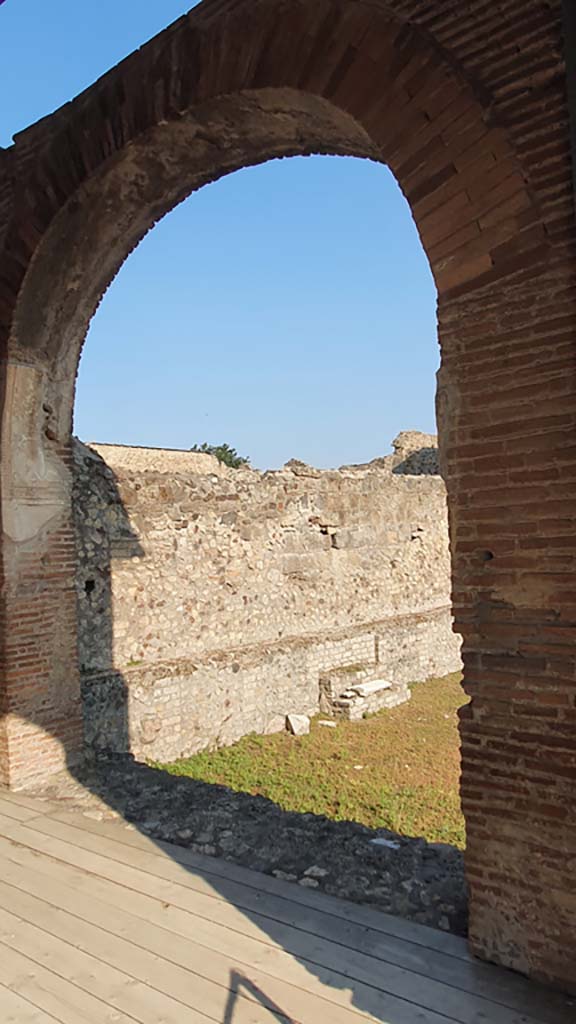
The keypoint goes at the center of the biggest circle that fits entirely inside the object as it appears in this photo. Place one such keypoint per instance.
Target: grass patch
(407, 782)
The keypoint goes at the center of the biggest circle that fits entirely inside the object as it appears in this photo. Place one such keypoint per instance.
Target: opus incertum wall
(467, 105)
(211, 600)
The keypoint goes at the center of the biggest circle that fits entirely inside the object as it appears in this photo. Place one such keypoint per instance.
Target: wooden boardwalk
(102, 925)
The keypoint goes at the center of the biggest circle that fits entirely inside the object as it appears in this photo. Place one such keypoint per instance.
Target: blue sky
(287, 309)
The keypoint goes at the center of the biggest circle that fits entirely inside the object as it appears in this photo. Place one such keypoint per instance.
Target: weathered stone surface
(298, 725)
(133, 459)
(372, 688)
(211, 604)
(353, 706)
(316, 872)
(352, 692)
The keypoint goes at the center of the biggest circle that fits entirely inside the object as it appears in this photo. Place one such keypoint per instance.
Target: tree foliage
(224, 453)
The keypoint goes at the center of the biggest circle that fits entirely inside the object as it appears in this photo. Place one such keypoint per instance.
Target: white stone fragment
(375, 686)
(327, 723)
(316, 872)
(298, 725)
(309, 883)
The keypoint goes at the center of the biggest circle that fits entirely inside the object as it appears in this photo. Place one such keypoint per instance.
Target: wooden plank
(505, 987)
(15, 810)
(254, 896)
(215, 928)
(16, 1010)
(321, 964)
(67, 1003)
(190, 985)
(294, 939)
(376, 920)
(76, 845)
(199, 912)
(40, 804)
(319, 956)
(139, 1001)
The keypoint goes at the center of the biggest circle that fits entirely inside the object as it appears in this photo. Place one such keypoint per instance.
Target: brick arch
(458, 169)
(234, 83)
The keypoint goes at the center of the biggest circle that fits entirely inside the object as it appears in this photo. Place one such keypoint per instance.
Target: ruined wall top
(409, 441)
(194, 559)
(158, 460)
(414, 454)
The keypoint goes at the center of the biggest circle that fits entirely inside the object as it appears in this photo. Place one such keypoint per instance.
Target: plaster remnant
(35, 487)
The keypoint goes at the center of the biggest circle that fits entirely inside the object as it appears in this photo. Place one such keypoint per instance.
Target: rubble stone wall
(211, 599)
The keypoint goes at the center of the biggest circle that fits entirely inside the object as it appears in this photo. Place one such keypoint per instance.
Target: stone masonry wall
(211, 599)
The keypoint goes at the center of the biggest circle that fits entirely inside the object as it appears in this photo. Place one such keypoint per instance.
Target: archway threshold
(99, 922)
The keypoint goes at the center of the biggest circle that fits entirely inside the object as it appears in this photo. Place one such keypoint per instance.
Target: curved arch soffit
(231, 85)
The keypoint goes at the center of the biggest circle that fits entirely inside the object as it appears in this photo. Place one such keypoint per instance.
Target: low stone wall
(211, 600)
(167, 710)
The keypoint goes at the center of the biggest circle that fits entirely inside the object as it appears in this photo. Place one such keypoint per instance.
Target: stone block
(352, 706)
(371, 688)
(298, 725)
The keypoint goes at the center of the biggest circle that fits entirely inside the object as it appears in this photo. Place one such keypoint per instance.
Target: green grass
(408, 782)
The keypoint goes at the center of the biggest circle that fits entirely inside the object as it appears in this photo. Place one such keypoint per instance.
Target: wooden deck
(102, 925)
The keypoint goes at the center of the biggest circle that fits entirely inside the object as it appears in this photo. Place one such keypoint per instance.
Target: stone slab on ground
(353, 706)
(298, 725)
(373, 687)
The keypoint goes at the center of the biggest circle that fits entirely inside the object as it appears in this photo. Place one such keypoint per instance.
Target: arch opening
(287, 588)
(223, 90)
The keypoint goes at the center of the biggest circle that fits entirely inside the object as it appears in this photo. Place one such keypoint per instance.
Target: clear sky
(287, 309)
